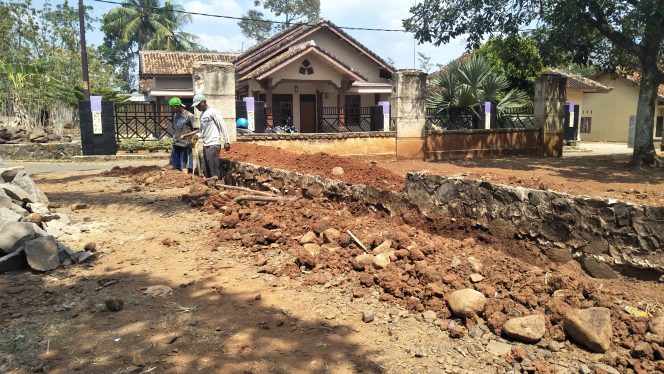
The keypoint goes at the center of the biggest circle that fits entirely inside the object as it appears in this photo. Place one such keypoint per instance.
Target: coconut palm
(465, 84)
(146, 24)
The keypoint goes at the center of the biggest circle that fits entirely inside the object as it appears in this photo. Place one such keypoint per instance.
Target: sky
(225, 35)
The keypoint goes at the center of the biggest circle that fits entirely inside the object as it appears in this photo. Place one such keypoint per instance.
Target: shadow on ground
(611, 168)
(62, 328)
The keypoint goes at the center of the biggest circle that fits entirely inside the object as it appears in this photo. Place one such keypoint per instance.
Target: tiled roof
(176, 63)
(276, 45)
(636, 79)
(295, 52)
(578, 82)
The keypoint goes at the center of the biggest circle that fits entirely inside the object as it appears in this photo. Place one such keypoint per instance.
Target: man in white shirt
(210, 131)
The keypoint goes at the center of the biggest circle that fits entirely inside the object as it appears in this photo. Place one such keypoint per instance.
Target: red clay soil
(430, 257)
(599, 176)
(356, 171)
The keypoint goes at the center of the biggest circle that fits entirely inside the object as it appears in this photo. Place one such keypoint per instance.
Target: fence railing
(142, 121)
(452, 119)
(469, 118)
(340, 119)
(516, 118)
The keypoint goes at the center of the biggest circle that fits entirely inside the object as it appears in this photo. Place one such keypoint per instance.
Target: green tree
(148, 25)
(255, 25)
(629, 34)
(516, 57)
(467, 83)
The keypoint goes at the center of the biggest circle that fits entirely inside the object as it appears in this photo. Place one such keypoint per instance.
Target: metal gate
(142, 121)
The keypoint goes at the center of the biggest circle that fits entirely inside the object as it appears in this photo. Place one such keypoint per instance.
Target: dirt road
(242, 306)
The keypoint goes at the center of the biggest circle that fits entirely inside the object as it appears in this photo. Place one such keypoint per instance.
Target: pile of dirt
(418, 262)
(355, 171)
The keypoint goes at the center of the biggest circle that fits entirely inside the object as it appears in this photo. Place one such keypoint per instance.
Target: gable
(324, 34)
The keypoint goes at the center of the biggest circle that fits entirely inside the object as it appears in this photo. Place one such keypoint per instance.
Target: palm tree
(465, 84)
(145, 25)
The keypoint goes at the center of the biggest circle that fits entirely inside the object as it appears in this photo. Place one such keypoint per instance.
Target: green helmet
(175, 101)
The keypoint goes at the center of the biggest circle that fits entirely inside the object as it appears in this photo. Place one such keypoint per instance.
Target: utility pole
(84, 52)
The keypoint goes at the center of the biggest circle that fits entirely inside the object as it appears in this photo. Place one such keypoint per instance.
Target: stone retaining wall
(609, 231)
(40, 151)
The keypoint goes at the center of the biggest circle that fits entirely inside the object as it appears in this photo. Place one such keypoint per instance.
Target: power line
(246, 18)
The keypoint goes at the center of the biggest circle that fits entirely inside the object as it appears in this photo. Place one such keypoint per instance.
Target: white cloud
(221, 43)
(221, 7)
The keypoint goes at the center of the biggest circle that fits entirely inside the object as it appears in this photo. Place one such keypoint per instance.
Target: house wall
(361, 63)
(322, 71)
(165, 83)
(611, 112)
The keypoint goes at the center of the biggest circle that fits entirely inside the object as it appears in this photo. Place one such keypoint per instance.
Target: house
(608, 117)
(164, 74)
(580, 90)
(316, 76)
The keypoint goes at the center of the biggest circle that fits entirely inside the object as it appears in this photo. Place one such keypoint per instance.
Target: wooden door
(307, 113)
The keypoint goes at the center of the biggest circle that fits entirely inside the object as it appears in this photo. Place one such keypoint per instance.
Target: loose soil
(599, 176)
(248, 298)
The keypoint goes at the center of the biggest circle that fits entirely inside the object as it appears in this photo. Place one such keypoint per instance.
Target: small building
(580, 91)
(607, 117)
(316, 76)
(164, 74)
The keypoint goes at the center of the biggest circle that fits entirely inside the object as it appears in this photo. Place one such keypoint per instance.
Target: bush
(131, 145)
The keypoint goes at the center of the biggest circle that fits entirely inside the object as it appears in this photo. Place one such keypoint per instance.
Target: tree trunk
(644, 148)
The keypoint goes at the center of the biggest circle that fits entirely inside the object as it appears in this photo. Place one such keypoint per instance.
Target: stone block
(14, 235)
(42, 254)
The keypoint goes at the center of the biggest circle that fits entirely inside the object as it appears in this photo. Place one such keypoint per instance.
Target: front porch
(322, 107)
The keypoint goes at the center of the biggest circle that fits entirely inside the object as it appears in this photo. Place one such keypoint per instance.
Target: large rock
(42, 253)
(8, 174)
(17, 193)
(23, 180)
(7, 214)
(362, 261)
(54, 228)
(38, 208)
(13, 261)
(590, 327)
(466, 302)
(309, 237)
(528, 329)
(598, 269)
(381, 260)
(657, 325)
(14, 235)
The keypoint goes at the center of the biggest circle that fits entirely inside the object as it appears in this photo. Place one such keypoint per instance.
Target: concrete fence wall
(478, 143)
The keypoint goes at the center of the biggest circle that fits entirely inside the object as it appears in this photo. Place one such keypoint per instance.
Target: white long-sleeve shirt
(212, 128)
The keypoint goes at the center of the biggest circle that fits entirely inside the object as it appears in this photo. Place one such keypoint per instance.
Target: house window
(306, 68)
(658, 127)
(586, 125)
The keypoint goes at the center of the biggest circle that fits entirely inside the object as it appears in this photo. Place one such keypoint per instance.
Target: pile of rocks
(29, 228)
(16, 135)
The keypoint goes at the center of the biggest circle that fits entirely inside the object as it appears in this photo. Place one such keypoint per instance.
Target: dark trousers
(211, 161)
(181, 157)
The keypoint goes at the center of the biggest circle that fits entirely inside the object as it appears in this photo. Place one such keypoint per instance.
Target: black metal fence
(142, 121)
(515, 118)
(338, 119)
(469, 118)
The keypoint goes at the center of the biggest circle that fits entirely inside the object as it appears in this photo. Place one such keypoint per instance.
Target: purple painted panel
(250, 103)
(95, 103)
